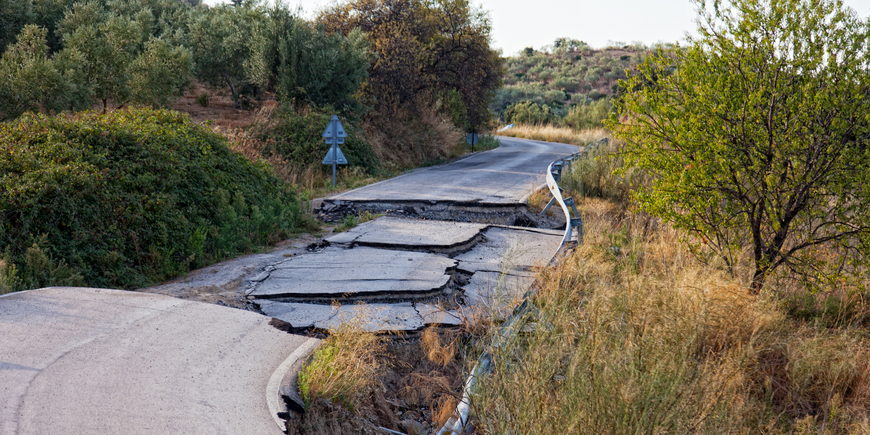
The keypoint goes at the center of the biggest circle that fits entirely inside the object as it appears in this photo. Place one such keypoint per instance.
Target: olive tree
(756, 132)
(30, 80)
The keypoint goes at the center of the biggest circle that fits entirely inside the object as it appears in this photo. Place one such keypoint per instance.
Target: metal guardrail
(458, 422)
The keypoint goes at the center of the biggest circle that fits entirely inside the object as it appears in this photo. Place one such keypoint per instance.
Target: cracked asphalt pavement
(457, 241)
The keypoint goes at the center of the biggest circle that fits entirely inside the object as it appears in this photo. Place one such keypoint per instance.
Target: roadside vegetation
(101, 189)
(722, 283)
(129, 198)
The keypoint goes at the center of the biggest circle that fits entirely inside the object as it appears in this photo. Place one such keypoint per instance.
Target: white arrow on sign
(334, 129)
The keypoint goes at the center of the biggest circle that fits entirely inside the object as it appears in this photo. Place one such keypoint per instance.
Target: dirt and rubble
(416, 393)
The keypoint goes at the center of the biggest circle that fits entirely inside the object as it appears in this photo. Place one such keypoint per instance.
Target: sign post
(334, 135)
(472, 139)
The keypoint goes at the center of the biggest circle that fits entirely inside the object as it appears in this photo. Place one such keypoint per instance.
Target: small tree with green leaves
(30, 80)
(756, 133)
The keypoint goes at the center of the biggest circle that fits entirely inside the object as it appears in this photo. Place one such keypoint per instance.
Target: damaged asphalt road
(463, 271)
(457, 242)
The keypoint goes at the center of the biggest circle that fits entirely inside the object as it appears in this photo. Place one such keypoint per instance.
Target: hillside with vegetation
(101, 189)
(567, 84)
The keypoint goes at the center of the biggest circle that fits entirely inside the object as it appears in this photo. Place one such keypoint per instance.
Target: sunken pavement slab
(380, 262)
(359, 272)
(401, 316)
(412, 234)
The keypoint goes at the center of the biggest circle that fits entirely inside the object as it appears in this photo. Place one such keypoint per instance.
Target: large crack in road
(455, 239)
(411, 272)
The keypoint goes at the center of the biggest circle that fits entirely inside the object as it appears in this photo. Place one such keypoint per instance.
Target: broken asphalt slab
(497, 261)
(411, 234)
(510, 249)
(400, 316)
(359, 272)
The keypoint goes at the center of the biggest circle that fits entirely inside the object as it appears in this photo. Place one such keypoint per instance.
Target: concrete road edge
(273, 388)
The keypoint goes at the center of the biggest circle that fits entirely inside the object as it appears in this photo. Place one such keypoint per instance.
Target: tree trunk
(233, 89)
(758, 279)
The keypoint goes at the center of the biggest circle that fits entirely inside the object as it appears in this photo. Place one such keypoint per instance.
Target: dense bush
(296, 134)
(128, 198)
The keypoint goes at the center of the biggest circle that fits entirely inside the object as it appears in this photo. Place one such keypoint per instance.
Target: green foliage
(297, 136)
(219, 39)
(159, 73)
(128, 198)
(30, 80)
(15, 15)
(567, 77)
(758, 139)
(351, 221)
(588, 115)
(425, 50)
(127, 56)
(304, 63)
(528, 112)
(601, 173)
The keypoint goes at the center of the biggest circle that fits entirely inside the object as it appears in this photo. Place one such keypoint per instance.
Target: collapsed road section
(410, 272)
(457, 242)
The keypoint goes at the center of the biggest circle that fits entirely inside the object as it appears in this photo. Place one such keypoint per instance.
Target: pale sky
(522, 23)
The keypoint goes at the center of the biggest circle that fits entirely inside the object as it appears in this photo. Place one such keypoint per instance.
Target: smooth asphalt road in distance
(504, 175)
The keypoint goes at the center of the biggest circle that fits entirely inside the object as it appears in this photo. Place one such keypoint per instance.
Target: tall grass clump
(600, 173)
(129, 198)
(633, 335)
(345, 366)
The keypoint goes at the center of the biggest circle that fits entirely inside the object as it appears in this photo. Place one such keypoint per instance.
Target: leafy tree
(158, 73)
(31, 81)
(15, 14)
(424, 49)
(759, 137)
(219, 39)
(301, 62)
(528, 112)
(123, 60)
(107, 43)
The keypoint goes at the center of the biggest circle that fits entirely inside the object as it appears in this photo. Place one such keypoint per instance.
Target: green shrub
(601, 173)
(528, 112)
(128, 198)
(588, 115)
(297, 136)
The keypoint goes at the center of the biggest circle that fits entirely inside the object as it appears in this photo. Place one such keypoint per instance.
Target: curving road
(95, 361)
(504, 175)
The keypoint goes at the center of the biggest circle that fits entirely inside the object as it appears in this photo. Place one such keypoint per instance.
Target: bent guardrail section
(458, 422)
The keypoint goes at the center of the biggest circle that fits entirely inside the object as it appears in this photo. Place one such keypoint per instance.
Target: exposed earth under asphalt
(456, 242)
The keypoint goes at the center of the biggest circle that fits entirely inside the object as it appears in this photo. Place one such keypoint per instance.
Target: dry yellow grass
(552, 133)
(345, 366)
(633, 335)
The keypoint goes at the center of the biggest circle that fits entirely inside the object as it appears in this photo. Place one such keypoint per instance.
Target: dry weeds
(635, 336)
(551, 133)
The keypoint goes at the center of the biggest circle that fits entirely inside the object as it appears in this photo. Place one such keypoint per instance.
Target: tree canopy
(424, 49)
(756, 133)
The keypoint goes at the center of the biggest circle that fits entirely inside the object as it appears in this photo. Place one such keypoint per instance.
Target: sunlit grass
(550, 133)
(633, 335)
